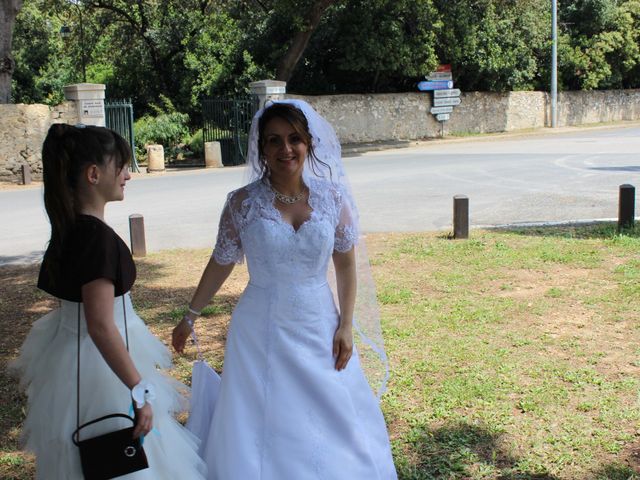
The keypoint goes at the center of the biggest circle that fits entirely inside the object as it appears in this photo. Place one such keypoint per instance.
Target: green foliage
(196, 143)
(370, 46)
(187, 49)
(600, 47)
(42, 69)
(168, 128)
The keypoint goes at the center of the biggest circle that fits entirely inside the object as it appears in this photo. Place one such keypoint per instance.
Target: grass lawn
(514, 355)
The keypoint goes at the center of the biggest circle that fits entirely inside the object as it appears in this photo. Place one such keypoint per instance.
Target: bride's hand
(180, 334)
(343, 346)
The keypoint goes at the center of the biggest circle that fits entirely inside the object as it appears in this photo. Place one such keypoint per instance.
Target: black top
(91, 250)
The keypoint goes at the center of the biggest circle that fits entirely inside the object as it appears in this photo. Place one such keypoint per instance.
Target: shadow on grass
(616, 471)
(462, 451)
(595, 230)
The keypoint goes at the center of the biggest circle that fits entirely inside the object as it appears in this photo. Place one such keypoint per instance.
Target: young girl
(90, 270)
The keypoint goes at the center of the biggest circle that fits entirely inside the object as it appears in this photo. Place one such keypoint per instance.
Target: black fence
(119, 117)
(228, 120)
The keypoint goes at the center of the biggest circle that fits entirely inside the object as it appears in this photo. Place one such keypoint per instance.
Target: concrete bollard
(460, 216)
(136, 232)
(626, 206)
(155, 158)
(25, 171)
(212, 155)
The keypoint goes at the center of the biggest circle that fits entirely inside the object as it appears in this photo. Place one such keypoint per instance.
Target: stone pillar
(89, 100)
(155, 158)
(212, 155)
(268, 90)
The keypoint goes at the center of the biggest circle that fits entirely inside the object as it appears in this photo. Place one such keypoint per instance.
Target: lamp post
(65, 33)
(554, 63)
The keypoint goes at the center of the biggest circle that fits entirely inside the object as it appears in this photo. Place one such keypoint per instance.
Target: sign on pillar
(89, 100)
(267, 90)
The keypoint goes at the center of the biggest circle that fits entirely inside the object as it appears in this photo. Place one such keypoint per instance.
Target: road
(541, 177)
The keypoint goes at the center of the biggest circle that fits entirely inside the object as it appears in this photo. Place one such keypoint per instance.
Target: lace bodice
(252, 227)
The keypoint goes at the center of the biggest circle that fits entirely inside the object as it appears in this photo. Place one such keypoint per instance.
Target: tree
(8, 11)
(600, 45)
(370, 46)
(301, 39)
(496, 45)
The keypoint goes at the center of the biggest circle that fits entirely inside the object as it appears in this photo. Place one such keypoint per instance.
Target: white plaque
(443, 117)
(274, 90)
(92, 108)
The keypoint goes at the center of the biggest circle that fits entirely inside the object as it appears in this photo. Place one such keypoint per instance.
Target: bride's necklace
(289, 200)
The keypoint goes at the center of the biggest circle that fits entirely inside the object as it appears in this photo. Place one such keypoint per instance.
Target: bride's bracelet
(143, 392)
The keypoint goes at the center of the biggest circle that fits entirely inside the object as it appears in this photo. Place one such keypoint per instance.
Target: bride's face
(284, 149)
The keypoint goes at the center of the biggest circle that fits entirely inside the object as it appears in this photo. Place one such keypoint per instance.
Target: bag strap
(195, 340)
(76, 434)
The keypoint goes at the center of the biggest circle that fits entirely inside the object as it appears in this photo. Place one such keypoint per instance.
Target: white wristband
(142, 393)
(191, 310)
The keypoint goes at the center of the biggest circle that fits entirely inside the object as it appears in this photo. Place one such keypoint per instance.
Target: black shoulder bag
(112, 454)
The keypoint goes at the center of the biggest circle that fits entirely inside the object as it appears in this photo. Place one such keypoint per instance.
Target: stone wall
(361, 118)
(405, 116)
(22, 131)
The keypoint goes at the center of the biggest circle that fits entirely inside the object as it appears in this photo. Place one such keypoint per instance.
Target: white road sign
(438, 76)
(437, 110)
(450, 92)
(443, 117)
(440, 102)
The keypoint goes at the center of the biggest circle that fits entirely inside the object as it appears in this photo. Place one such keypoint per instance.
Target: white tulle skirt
(47, 370)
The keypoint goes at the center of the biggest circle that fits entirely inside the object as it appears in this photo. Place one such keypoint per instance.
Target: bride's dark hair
(294, 116)
(66, 151)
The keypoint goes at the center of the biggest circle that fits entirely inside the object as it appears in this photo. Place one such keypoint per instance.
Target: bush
(196, 143)
(168, 128)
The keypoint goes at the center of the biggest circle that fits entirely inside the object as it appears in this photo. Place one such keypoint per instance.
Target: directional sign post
(449, 92)
(445, 97)
(439, 76)
(441, 102)
(437, 85)
(438, 110)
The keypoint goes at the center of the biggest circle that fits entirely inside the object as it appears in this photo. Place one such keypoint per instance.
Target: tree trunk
(8, 11)
(301, 40)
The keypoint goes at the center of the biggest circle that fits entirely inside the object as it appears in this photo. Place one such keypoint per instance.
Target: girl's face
(284, 149)
(112, 182)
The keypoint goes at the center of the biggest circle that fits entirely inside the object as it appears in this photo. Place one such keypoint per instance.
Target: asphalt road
(541, 177)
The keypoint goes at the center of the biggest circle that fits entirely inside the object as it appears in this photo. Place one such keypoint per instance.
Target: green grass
(514, 354)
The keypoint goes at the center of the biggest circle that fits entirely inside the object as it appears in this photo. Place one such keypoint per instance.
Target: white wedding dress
(283, 411)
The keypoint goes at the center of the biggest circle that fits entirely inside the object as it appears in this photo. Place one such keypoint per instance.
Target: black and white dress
(47, 366)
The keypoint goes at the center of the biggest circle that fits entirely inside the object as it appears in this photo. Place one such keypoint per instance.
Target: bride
(294, 401)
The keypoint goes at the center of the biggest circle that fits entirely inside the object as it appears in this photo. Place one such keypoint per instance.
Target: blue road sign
(435, 85)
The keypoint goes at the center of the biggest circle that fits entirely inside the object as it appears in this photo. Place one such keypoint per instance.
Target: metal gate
(228, 120)
(119, 117)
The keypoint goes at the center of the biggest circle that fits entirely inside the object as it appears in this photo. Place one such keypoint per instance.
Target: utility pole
(554, 63)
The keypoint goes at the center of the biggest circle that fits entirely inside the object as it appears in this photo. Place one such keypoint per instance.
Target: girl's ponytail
(58, 192)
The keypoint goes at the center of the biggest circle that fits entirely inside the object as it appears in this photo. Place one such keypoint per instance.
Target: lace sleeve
(346, 234)
(228, 247)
